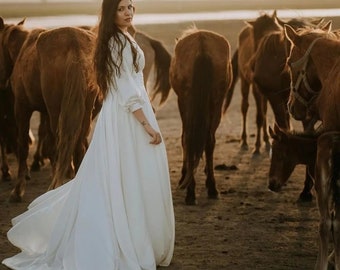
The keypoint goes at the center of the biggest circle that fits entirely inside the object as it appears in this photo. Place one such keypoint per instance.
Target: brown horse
(51, 72)
(289, 149)
(270, 74)
(272, 78)
(248, 40)
(314, 66)
(200, 74)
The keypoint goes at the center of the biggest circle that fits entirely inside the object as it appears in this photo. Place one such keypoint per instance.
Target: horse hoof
(256, 153)
(268, 147)
(6, 177)
(14, 198)
(244, 147)
(213, 195)
(306, 197)
(190, 201)
(274, 187)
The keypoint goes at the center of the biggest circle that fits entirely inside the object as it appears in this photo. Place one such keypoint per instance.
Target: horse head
(263, 25)
(282, 162)
(11, 39)
(305, 82)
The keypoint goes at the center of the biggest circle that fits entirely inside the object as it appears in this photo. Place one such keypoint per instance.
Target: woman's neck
(124, 30)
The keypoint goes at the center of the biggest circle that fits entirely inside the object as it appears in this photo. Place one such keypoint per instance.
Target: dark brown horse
(248, 40)
(51, 72)
(314, 65)
(272, 78)
(200, 74)
(289, 149)
(269, 70)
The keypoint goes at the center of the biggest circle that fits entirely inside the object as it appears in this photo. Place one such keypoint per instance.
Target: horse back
(212, 45)
(269, 64)
(25, 78)
(67, 74)
(57, 49)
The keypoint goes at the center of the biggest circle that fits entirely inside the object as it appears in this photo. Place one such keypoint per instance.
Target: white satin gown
(117, 213)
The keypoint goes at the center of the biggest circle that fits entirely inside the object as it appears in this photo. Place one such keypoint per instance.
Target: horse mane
(270, 42)
(192, 29)
(310, 31)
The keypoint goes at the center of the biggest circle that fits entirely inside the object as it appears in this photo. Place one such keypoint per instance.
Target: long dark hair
(105, 67)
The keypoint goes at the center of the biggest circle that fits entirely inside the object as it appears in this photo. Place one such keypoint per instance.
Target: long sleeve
(128, 84)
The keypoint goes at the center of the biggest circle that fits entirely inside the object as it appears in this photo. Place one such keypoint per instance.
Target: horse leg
(324, 234)
(244, 109)
(209, 168)
(336, 234)
(23, 119)
(190, 198)
(306, 194)
(38, 158)
(184, 154)
(259, 119)
(187, 176)
(6, 175)
(265, 127)
(322, 186)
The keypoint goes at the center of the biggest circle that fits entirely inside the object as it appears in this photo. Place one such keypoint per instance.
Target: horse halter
(302, 76)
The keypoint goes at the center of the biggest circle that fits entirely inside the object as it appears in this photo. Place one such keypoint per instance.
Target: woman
(117, 212)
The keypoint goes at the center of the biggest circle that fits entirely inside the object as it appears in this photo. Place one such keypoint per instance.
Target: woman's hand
(155, 135)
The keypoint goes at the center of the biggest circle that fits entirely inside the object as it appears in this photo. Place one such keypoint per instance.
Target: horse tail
(198, 120)
(162, 67)
(72, 112)
(230, 92)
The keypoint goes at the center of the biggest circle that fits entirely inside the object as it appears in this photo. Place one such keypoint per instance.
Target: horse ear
(327, 27)
(250, 23)
(290, 33)
(2, 24)
(271, 132)
(280, 22)
(274, 134)
(318, 23)
(274, 16)
(22, 21)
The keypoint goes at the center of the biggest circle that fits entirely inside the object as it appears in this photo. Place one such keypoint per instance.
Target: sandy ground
(248, 227)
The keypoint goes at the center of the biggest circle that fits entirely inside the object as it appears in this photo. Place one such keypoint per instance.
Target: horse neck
(325, 55)
(17, 38)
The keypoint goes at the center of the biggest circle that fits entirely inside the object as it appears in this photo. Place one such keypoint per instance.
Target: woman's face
(124, 14)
